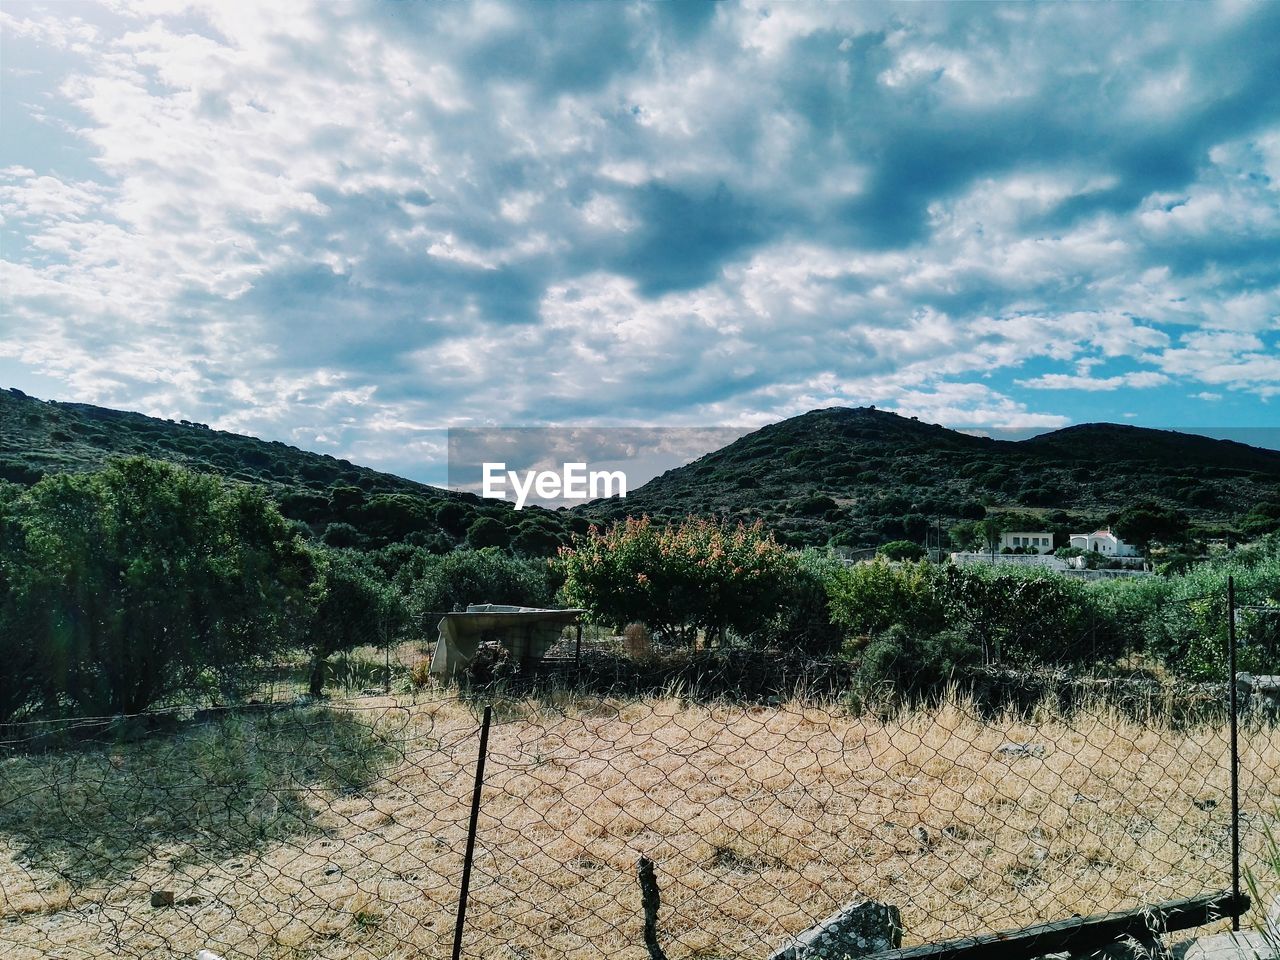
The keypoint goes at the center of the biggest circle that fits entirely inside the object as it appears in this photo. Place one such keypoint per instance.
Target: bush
(1017, 616)
(341, 536)
(129, 585)
(805, 621)
(902, 550)
(869, 598)
(351, 605)
(696, 575)
(912, 664)
(464, 577)
(488, 532)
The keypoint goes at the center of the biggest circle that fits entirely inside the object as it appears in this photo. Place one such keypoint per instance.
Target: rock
(1245, 945)
(207, 955)
(1021, 750)
(162, 898)
(856, 930)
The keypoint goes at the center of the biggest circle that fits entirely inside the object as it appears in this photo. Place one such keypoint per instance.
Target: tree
(989, 531)
(138, 580)
(869, 598)
(452, 518)
(464, 577)
(901, 550)
(488, 532)
(1147, 522)
(707, 575)
(351, 606)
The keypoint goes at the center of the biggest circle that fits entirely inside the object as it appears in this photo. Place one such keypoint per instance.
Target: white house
(1041, 541)
(1104, 542)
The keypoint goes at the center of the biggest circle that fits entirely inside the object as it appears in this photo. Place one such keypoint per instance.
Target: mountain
(853, 476)
(861, 476)
(346, 504)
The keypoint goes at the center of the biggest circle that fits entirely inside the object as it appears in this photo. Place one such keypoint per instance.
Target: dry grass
(339, 833)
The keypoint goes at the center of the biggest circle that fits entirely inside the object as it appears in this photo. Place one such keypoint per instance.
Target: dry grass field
(338, 832)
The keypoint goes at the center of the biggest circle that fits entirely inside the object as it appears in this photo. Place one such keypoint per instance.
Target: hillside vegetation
(857, 477)
(344, 504)
(862, 477)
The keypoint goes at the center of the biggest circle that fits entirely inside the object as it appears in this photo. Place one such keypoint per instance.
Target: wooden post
(651, 900)
(469, 857)
(1235, 746)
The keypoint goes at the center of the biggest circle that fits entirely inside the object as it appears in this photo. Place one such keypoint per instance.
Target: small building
(527, 633)
(1104, 542)
(1041, 541)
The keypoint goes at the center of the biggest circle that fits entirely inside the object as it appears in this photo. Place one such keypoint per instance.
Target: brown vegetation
(339, 832)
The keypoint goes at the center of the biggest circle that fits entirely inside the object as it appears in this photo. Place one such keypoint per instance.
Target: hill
(852, 476)
(862, 476)
(341, 502)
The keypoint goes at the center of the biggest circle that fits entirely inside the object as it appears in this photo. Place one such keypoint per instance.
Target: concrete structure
(1041, 541)
(526, 632)
(1037, 560)
(1104, 542)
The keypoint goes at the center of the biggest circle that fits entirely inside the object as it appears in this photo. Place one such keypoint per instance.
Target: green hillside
(851, 476)
(862, 476)
(340, 502)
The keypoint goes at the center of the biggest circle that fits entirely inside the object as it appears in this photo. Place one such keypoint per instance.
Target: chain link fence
(339, 829)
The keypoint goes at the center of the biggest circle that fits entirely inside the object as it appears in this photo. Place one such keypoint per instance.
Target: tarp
(527, 632)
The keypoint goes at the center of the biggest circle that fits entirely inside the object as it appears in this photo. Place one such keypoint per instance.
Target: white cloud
(348, 222)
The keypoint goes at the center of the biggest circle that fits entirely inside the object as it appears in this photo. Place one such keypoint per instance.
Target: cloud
(1062, 381)
(371, 223)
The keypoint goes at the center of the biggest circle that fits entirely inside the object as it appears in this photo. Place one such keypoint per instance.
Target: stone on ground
(857, 930)
(1245, 945)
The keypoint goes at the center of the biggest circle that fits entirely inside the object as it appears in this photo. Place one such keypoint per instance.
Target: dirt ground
(339, 831)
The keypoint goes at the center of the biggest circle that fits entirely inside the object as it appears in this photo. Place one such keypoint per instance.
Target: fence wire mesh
(337, 829)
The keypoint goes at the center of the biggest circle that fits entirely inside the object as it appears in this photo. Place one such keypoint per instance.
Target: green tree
(138, 580)
(1148, 522)
(707, 575)
(463, 577)
(488, 532)
(901, 550)
(869, 598)
(352, 605)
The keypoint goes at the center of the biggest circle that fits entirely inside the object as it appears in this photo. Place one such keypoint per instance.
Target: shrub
(805, 621)
(488, 532)
(869, 598)
(911, 663)
(1017, 616)
(464, 577)
(696, 575)
(341, 535)
(902, 550)
(135, 581)
(350, 605)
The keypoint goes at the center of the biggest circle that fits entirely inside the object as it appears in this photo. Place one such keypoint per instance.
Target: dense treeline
(914, 624)
(144, 583)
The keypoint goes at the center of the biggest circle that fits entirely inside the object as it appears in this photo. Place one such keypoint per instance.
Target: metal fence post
(1235, 748)
(471, 834)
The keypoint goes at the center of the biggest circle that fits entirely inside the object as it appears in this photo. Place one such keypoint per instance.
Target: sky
(350, 226)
